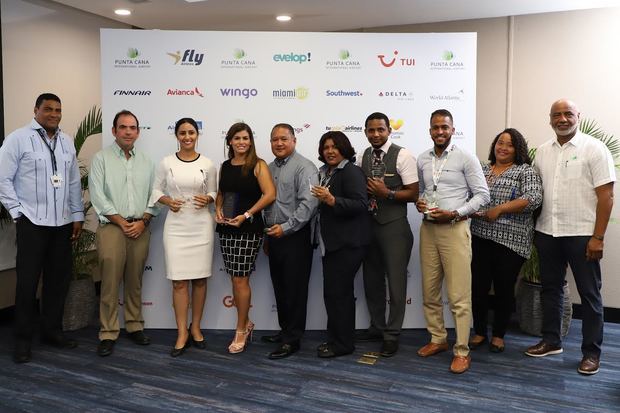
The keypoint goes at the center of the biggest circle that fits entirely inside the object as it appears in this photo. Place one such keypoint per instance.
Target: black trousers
(555, 253)
(339, 269)
(290, 263)
(44, 250)
(497, 265)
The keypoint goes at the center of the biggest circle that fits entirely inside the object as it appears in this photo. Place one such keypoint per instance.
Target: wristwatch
(391, 194)
(146, 221)
(598, 237)
(248, 216)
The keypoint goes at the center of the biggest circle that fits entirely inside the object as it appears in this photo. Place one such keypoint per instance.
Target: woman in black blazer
(344, 225)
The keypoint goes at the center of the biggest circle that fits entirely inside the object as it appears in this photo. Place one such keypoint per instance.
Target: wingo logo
(292, 57)
(246, 93)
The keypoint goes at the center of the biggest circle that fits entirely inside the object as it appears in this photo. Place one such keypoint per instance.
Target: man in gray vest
(392, 183)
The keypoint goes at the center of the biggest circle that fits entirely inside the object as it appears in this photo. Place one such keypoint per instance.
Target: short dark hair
(46, 96)
(518, 142)
(285, 126)
(377, 115)
(442, 112)
(185, 120)
(341, 142)
(124, 112)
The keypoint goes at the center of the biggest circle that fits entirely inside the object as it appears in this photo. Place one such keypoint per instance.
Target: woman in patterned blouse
(502, 234)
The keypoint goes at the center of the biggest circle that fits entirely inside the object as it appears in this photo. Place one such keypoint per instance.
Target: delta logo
(189, 57)
(132, 92)
(447, 62)
(132, 59)
(343, 61)
(185, 92)
(396, 125)
(238, 60)
(292, 57)
(171, 127)
(453, 97)
(300, 93)
(395, 60)
(344, 128)
(343, 93)
(238, 92)
(396, 94)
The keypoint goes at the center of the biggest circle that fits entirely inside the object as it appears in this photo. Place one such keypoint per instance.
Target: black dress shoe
(22, 353)
(368, 335)
(200, 344)
(284, 351)
(176, 352)
(326, 350)
(105, 348)
(140, 338)
(274, 339)
(58, 340)
(389, 348)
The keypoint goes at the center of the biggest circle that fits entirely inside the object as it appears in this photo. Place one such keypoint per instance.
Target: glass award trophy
(230, 206)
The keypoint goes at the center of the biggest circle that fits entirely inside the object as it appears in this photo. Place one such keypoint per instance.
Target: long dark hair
(518, 142)
(341, 142)
(251, 159)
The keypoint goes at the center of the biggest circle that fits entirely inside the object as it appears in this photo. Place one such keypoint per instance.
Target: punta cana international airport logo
(300, 93)
(133, 59)
(395, 59)
(447, 61)
(188, 57)
(238, 59)
(343, 60)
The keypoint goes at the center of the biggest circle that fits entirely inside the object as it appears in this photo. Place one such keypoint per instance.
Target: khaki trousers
(121, 259)
(445, 253)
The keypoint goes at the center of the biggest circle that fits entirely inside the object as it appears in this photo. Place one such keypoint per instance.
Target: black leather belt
(434, 221)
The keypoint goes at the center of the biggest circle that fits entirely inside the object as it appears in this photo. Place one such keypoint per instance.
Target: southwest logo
(292, 57)
(341, 92)
(246, 93)
(189, 57)
(396, 124)
(185, 92)
(389, 62)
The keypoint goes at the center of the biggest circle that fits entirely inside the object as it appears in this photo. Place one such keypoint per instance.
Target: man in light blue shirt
(452, 186)
(120, 183)
(40, 187)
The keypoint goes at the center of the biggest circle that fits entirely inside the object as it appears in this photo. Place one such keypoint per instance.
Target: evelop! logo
(300, 93)
(237, 92)
(188, 58)
(185, 92)
(343, 62)
(447, 62)
(133, 59)
(292, 57)
(240, 60)
(394, 60)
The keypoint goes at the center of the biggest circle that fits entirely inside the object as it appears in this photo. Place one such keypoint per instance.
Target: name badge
(56, 180)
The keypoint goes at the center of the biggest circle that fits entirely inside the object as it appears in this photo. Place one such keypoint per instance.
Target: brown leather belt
(433, 221)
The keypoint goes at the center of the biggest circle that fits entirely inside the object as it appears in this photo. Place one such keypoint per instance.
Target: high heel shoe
(176, 352)
(198, 344)
(242, 339)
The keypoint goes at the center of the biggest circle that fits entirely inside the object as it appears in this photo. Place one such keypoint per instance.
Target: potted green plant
(529, 288)
(80, 303)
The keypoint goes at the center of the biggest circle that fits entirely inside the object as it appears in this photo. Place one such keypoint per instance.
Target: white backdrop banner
(316, 82)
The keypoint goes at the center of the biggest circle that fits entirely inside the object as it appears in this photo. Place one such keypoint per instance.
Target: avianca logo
(185, 92)
(407, 61)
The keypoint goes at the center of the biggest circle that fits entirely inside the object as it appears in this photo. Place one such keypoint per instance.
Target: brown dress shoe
(589, 365)
(431, 349)
(543, 349)
(460, 364)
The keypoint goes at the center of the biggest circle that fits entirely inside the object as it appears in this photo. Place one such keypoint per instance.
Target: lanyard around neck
(437, 172)
(51, 149)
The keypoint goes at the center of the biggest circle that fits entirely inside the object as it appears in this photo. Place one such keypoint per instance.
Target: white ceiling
(316, 15)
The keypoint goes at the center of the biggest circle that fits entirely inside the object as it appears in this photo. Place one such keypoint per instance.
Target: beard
(566, 132)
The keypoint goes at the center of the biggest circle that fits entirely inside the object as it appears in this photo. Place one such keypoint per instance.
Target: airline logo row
(299, 93)
(134, 58)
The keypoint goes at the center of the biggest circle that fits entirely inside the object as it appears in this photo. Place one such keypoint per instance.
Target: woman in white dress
(186, 183)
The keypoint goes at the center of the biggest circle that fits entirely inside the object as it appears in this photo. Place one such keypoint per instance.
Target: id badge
(56, 180)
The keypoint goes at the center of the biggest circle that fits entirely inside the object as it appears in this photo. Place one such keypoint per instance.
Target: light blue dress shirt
(461, 186)
(26, 171)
